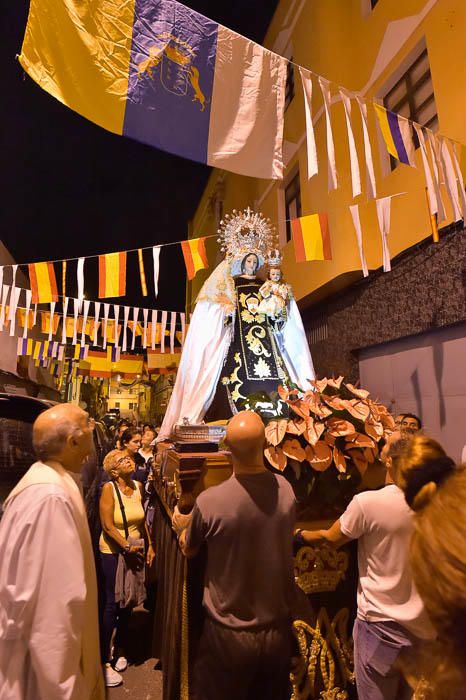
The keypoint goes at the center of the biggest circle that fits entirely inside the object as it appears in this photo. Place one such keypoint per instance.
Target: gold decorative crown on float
(246, 231)
(319, 569)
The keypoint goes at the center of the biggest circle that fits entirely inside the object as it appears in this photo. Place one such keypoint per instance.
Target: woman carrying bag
(124, 547)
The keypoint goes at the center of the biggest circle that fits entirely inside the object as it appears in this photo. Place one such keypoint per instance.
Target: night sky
(69, 188)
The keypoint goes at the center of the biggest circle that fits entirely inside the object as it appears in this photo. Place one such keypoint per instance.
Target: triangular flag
(312, 163)
(86, 305)
(172, 331)
(145, 313)
(104, 331)
(125, 326)
(135, 324)
(156, 259)
(28, 306)
(96, 320)
(183, 327)
(52, 314)
(63, 332)
(311, 238)
(354, 162)
(383, 215)
(153, 329)
(354, 209)
(116, 315)
(80, 279)
(370, 172)
(332, 169)
(14, 297)
(5, 291)
(76, 305)
(162, 331)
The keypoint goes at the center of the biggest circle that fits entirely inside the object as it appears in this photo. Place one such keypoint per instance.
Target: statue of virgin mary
(233, 348)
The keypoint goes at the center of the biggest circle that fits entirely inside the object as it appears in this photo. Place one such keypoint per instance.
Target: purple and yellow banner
(163, 74)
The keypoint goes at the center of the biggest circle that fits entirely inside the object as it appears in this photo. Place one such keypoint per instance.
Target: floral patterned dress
(254, 363)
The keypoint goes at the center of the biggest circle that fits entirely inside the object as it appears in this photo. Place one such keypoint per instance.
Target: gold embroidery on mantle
(319, 570)
(315, 673)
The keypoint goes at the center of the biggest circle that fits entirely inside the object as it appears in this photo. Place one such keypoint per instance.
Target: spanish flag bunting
(45, 322)
(43, 282)
(142, 273)
(112, 275)
(195, 256)
(25, 318)
(311, 238)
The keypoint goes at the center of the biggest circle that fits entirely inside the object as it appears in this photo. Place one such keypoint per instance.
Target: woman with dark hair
(435, 488)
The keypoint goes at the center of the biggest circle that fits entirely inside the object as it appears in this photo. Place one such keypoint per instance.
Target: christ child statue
(275, 294)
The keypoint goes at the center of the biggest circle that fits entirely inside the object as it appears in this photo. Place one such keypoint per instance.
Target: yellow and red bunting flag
(195, 256)
(43, 283)
(45, 322)
(142, 273)
(112, 275)
(63, 278)
(311, 238)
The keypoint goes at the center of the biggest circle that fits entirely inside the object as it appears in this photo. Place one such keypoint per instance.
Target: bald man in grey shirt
(247, 525)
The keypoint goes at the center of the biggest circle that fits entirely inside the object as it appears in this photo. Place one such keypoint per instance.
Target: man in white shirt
(391, 616)
(49, 636)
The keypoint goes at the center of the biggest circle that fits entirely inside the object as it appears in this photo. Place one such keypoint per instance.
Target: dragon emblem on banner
(174, 58)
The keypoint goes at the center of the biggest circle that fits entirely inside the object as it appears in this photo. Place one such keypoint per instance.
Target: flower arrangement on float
(329, 443)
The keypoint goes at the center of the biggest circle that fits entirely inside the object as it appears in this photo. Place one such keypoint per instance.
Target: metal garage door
(426, 375)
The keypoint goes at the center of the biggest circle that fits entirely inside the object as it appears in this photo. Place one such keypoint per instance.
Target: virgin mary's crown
(246, 232)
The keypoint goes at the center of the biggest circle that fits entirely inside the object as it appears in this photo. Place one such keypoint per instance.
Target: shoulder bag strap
(122, 508)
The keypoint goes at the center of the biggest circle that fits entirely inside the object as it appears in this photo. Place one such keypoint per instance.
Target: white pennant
(14, 297)
(145, 313)
(433, 204)
(96, 320)
(86, 305)
(383, 215)
(459, 176)
(153, 328)
(34, 317)
(28, 307)
(354, 209)
(76, 307)
(172, 331)
(370, 173)
(135, 323)
(450, 181)
(5, 291)
(156, 258)
(116, 315)
(312, 163)
(332, 169)
(125, 326)
(106, 312)
(63, 330)
(162, 331)
(61, 351)
(52, 314)
(355, 172)
(437, 174)
(1, 277)
(183, 328)
(81, 279)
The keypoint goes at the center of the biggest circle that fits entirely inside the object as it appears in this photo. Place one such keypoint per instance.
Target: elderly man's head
(245, 439)
(63, 433)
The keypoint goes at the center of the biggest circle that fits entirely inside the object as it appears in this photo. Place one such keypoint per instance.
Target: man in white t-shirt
(391, 616)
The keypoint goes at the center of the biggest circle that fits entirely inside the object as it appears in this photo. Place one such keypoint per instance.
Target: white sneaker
(121, 664)
(112, 678)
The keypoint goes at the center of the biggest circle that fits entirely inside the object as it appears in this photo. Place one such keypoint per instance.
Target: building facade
(405, 56)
